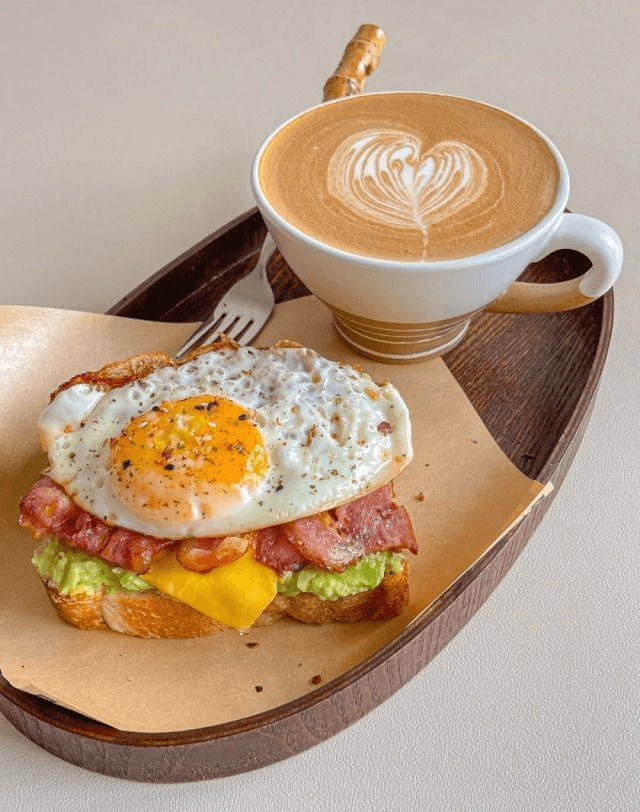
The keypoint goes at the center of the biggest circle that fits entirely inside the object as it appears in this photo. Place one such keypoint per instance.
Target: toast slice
(154, 614)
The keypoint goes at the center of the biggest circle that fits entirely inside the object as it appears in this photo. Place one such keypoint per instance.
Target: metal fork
(243, 310)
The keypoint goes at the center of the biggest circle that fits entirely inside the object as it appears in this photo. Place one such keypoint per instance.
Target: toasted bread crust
(156, 615)
(119, 373)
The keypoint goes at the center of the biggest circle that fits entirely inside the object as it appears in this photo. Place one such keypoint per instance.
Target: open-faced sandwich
(234, 488)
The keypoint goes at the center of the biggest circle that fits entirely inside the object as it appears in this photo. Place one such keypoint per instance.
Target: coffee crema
(409, 176)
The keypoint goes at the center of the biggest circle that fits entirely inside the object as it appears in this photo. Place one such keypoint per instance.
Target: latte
(409, 176)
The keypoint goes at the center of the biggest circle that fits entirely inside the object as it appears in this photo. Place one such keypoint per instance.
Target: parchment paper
(472, 496)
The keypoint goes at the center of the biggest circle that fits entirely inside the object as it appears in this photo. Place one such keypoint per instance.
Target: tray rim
(48, 713)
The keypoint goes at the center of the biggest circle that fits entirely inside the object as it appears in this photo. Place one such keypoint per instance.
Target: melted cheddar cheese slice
(235, 594)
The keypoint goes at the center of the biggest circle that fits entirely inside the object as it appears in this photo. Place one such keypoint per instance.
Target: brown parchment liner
(472, 495)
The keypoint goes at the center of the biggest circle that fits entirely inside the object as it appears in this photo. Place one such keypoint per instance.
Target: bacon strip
(131, 550)
(376, 522)
(48, 509)
(204, 554)
(275, 551)
(336, 539)
(318, 540)
(331, 540)
(90, 533)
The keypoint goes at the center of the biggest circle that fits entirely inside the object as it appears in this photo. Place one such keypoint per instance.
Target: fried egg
(231, 441)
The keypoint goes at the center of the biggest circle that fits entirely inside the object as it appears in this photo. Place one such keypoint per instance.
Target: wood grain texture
(532, 378)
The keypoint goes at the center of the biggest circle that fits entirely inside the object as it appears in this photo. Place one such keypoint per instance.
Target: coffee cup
(408, 214)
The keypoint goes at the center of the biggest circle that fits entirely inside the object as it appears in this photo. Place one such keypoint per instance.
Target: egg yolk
(188, 459)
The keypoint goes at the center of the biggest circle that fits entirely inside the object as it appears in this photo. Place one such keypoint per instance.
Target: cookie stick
(361, 57)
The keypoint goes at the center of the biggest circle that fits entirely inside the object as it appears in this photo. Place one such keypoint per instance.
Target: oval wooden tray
(531, 378)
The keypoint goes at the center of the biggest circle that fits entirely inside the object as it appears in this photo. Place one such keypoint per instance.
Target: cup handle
(598, 241)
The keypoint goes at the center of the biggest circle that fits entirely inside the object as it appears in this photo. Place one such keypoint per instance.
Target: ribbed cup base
(399, 343)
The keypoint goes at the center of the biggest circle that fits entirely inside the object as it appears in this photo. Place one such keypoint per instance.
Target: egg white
(330, 432)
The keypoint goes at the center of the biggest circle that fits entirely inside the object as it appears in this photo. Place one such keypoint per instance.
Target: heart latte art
(385, 176)
(409, 176)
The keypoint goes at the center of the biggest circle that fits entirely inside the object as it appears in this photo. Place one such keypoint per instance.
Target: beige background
(128, 129)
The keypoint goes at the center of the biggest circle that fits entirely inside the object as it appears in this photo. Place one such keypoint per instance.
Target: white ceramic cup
(397, 311)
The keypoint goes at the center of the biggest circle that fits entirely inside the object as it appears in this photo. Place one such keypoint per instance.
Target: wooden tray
(531, 378)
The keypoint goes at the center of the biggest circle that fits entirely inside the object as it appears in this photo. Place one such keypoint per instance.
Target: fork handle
(361, 57)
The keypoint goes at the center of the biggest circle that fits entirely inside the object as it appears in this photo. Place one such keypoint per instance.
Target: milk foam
(386, 176)
(409, 176)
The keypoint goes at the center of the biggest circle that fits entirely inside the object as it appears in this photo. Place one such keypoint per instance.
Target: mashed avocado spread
(74, 571)
(365, 574)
